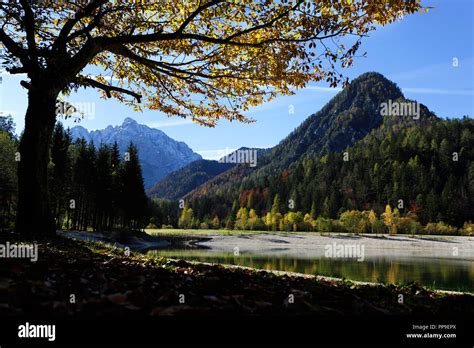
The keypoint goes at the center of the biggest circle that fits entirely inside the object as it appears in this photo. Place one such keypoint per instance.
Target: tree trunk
(34, 216)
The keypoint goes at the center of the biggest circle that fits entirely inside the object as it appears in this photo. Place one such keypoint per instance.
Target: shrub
(355, 221)
(467, 229)
(328, 225)
(379, 227)
(407, 225)
(440, 228)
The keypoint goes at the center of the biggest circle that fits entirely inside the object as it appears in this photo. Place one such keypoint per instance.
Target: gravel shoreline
(311, 245)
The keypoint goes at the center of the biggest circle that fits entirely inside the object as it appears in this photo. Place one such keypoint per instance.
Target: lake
(438, 273)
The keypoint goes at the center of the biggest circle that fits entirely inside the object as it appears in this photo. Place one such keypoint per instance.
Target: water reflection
(447, 274)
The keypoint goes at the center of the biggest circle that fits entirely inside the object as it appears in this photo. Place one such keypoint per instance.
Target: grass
(224, 232)
(189, 232)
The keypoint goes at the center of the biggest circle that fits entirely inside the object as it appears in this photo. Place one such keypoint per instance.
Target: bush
(440, 228)
(167, 227)
(379, 227)
(467, 229)
(407, 225)
(328, 225)
(355, 221)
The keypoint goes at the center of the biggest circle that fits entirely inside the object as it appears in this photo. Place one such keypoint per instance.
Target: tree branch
(80, 14)
(14, 48)
(159, 66)
(29, 23)
(85, 81)
(196, 13)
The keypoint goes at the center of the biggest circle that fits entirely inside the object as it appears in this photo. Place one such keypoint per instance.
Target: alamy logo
(21, 251)
(241, 156)
(403, 109)
(336, 250)
(83, 109)
(37, 331)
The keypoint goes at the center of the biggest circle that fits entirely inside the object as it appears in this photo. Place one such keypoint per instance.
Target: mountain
(159, 154)
(424, 169)
(348, 117)
(364, 149)
(182, 181)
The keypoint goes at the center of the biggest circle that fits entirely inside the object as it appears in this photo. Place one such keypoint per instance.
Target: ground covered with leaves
(83, 280)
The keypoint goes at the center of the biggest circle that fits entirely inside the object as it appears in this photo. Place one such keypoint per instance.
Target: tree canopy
(204, 59)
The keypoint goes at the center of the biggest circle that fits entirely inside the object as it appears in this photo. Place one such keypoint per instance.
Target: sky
(429, 56)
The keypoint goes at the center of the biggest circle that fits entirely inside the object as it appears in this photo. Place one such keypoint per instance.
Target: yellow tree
(216, 223)
(253, 218)
(389, 219)
(372, 219)
(242, 219)
(202, 59)
(185, 220)
(268, 220)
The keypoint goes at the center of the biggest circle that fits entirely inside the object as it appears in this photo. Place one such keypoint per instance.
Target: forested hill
(427, 170)
(348, 117)
(184, 180)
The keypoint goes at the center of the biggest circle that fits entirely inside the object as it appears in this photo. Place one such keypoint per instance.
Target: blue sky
(417, 53)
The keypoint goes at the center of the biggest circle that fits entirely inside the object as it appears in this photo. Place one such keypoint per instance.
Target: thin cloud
(438, 91)
(324, 89)
(170, 123)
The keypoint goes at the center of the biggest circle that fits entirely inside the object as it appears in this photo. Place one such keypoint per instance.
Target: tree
(115, 184)
(134, 200)
(276, 205)
(8, 179)
(354, 221)
(234, 54)
(216, 223)
(372, 219)
(253, 220)
(60, 176)
(295, 219)
(268, 220)
(186, 218)
(313, 210)
(242, 219)
(389, 219)
(82, 191)
(309, 222)
(7, 125)
(103, 188)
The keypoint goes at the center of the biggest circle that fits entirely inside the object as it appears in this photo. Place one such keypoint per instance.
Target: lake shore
(108, 283)
(437, 262)
(314, 245)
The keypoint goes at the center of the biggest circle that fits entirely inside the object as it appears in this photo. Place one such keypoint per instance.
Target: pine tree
(276, 205)
(133, 196)
(103, 187)
(60, 173)
(313, 212)
(8, 179)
